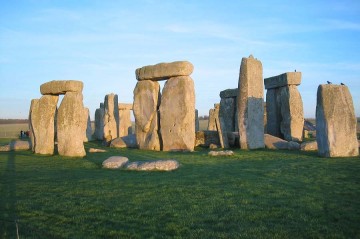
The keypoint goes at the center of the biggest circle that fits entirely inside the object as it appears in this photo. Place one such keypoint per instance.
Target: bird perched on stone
(328, 82)
(342, 83)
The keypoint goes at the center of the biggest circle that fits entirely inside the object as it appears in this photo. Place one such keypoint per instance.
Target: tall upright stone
(177, 114)
(145, 107)
(42, 123)
(111, 117)
(335, 122)
(125, 121)
(88, 132)
(99, 122)
(197, 124)
(71, 125)
(213, 114)
(284, 106)
(250, 104)
(227, 113)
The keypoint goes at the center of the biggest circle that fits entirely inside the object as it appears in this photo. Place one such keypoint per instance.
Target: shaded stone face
(71, 125)
(88, 132)
(145, 107)
(164, 71)
(99, 123)
(177, 114)
(197, 125)
(111, 117)
(288, 78)
(229, 93)
(42, 124)
(227, 112)
(250, 104)
(60, 87)
(273, 113)
(335, 122)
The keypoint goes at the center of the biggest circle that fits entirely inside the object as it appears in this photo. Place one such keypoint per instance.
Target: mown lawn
(253, 194)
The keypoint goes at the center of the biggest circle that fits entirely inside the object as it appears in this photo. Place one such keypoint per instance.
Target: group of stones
(69, 124)
(256, 124)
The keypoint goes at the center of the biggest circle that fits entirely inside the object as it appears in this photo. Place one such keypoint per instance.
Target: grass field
(253, 194)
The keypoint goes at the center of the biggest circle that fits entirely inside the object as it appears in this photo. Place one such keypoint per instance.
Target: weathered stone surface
(292, 113)
(146, 103)
(221, 153)
(158, 165)
(309, 146)
(265, 118)
(128, 141)
(227, 112)
(111, 116)
(229, 93)
(177, 114)
(163, 71)
(197, 125)
(71, 125)
(213, 114)
(208, 137)
(115, 162)
(88, 132)
(125, 106)
(213, 146)
(288, 78)
(222, 132)
(99, 122)
(292, 145)
(93, 150)
(273, 113)
(335, 122)
(273, 142)
(125, 121)
(60, 87)
(250, 104)
(42, 124)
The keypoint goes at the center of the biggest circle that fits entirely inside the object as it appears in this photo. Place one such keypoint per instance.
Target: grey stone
(229, 93)
(93, 150)
(158, 165)
(288, 78)
(42, 124)
(60, 87)
(146, 103)
(163, 71)
(115, 162)
(128, 141)
(177, 114)
(221, 153)
(88, 132)
(273, 142)
(71, 125)
(111, 117)
(99, 123)
(335, 122)
(250, 104)
(227, 112)
(125, 121)
(309, 146)
(197, 125)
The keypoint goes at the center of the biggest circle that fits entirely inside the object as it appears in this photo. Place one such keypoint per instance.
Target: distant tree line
(204, 117)
(14, 121)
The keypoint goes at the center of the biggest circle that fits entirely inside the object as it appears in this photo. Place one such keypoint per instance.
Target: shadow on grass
(8, 214)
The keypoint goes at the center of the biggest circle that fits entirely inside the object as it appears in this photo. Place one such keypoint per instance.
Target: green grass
(253, 194)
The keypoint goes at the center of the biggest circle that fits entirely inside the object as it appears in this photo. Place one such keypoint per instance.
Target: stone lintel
(288, 78)
(229, 93)
(125, 106)
(60, 87)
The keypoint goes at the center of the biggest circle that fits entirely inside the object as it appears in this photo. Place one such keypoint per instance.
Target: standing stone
(265, 119)
(125, 121)
(227, 112)
(273, 113)
(88, 132)
(111, 117)
(213, 114)
(99, 122)
(197, 125)
(177, 114)
(145, 107)
(42, 124)
(292, 113)
(71, 125)
(335, 122)
(250, 104)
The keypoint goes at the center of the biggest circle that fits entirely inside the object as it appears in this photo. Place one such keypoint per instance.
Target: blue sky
(102, 42)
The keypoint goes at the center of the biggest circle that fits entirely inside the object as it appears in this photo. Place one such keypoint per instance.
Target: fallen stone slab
(128, 141)
(60, 87)
(115, 162)
(288, 78)
(163, 71)
(221, 153)
(93, 150)
(309, 146)
(273, 142)
(158, 165)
